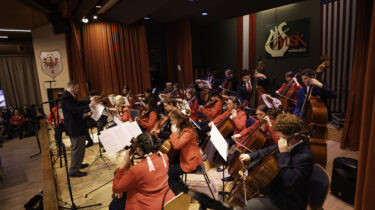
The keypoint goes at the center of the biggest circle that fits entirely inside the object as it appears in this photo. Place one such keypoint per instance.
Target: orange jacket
(273, 134)
(17, 119)
(49, 119)
(293, 88)
(239, 120)
(194, 109)
(145, 189)
(125, 115)
(186, 142)
(211, 113)
(150, 122)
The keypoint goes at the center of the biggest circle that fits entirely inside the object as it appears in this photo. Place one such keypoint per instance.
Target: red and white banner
(246, 42)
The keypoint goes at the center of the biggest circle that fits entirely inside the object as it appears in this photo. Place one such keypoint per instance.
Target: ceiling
(165, 11)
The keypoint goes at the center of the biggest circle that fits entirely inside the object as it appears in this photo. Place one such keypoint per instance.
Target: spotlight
(3, 37)
(95, 17)
(14, 30)
(85, 20)
(205, 12)
(147, 17)
(98, 6)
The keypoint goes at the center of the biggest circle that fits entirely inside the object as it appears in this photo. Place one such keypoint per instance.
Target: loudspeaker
(344, 178)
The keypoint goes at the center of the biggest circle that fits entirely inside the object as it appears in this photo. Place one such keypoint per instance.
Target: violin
(160, 124)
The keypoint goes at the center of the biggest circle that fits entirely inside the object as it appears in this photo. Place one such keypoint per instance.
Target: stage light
(98, 6)
(15, 30)
(3, 37)
(205, 12)
(147, 18)
(85, 20)
(95, 17)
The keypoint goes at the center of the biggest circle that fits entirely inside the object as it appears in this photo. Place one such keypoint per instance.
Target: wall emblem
(51, 63)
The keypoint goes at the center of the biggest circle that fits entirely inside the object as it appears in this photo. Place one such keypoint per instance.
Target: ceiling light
(85, 20)
(98, 6)
(205, 12)
(3, 37)
(14, 30)
(147, 18)
(95, 17)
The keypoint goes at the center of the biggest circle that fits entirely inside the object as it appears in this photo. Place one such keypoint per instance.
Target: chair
(318, 187)
(201, 170)
(181, 202)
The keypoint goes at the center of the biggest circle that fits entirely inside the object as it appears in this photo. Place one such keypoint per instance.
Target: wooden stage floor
(22, 176)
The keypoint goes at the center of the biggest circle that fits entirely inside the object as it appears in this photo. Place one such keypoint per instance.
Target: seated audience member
(29, 116)
(3, 127)
(16, 123)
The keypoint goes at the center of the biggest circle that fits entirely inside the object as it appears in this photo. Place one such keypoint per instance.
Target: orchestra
(177, 122)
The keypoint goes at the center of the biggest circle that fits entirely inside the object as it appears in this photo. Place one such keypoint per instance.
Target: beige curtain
(19, 80)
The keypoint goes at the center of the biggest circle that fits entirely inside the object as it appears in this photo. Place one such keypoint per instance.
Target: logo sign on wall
(288, 39)
(51, 63)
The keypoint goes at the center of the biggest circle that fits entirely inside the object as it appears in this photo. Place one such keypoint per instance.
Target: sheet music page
(219, 142)
(109, 141)
(208, 84)
(117, 120)
(126, 101)
(133, 128)
(97, 111)
(122, 134)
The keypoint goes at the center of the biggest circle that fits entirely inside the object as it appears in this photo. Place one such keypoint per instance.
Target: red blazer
(125, 115)
(211, 113)
(194, 109)
(150, 122)
(293, 88)
(17, 119)
(239, 121)
(54, 110)
(273, 134)
(186, 142)
(145, 189)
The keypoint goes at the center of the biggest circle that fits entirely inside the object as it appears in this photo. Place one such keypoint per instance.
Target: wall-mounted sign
(51, 63)
(288, 39)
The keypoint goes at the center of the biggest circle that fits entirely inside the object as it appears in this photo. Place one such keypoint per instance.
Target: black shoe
(228, 179)
(78, 174)
(89, 144)
(220, 169)
(84, 165)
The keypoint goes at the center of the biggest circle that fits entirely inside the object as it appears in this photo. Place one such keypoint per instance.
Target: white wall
(45, 40)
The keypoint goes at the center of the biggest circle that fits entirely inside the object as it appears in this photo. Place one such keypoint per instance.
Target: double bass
(314, 113)
(256, 95)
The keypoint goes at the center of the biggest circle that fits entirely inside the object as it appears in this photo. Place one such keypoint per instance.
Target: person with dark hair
(28, 127)
(293, 89)
(58, 126)
(245, 87)
(145, 185)
(75, 127)
(128, 97)
(149, 116)
(320, 90)
(214, 107)
(229, 81)
(288, 190)
(193, 104)
(16, 123)
(183, 139)
(3, 127)
(211, 79)
(262, 116)
(176, 91)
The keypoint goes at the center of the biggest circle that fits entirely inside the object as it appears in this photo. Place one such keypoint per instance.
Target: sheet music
(117, 120)
(134, 129)
(116, 138)
(109, 141)
(97, 111)
(219, 142)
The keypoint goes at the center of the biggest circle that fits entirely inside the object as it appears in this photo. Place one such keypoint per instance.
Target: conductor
(75, 126)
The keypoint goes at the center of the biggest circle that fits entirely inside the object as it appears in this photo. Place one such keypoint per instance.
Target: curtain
(178, 44)
(362, 91)
(110, 55)
(252, 43)
(239, 46)
(19, 80)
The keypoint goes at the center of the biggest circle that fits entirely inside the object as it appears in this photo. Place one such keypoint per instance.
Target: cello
(287, 96)
(261, 172)
(256, 95)
(314, 112)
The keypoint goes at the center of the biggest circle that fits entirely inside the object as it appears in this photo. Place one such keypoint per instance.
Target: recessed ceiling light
(147, 18)
(85, 20)
(14, 30)
(98, 6)
(95, 17)
(3, 37)
(205, 12)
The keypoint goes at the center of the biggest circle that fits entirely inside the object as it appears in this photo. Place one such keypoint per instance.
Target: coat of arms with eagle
(51, 63)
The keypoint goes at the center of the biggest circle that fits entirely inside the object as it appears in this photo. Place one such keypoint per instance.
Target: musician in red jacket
(294, 87)
(149, 116)
(193, 103)
(262, 117)
(184, 139)
(146, 183)
(16, 123)
(216, 109)
(59, 127)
